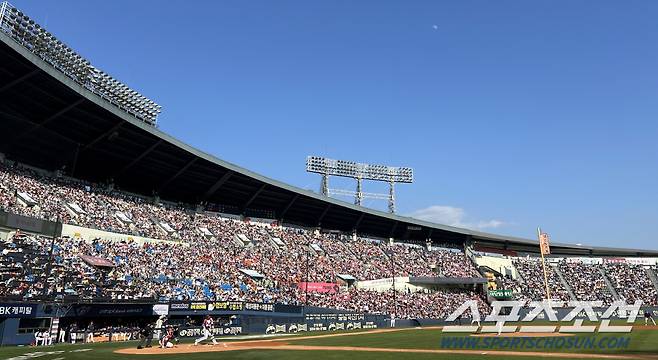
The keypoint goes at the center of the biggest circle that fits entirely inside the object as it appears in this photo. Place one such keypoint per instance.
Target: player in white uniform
(38, 338)
(159, 326)
(47, 339)
(207, 326)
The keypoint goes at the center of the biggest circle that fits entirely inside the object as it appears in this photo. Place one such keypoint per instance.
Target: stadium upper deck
(53, 122)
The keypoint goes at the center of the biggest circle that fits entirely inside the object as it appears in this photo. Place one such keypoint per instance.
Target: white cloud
(453, 216)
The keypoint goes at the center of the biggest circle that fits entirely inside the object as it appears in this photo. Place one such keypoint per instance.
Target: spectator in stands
(212, 253)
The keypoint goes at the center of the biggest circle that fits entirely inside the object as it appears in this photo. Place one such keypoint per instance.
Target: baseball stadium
(120, 241)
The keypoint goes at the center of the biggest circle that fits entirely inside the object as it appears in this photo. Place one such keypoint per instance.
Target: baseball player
(145, 336)
(168, 339)
(62, 335)
(90, 332)
(73, 334)
(207, 326)
(648, 316)
(46, 338)
(159, 326)
(38, 338)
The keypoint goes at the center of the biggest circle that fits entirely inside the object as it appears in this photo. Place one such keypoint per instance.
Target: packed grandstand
(326, 253)
(204, 256)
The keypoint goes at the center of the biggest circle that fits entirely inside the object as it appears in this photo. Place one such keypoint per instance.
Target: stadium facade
(58, 123)
(62, 115)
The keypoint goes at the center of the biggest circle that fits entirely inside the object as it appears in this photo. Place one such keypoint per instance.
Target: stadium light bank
(359, 171)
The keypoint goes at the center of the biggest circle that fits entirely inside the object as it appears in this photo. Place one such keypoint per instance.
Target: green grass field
(641, 344)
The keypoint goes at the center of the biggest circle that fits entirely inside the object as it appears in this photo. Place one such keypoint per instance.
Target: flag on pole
(544, 244)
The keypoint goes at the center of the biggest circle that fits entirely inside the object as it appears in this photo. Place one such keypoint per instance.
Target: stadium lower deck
(198, 255)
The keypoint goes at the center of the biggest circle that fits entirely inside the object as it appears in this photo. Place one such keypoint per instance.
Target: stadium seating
(531, 282)
(582, 281)
(215, 258)
(632, 282)
(586, 281)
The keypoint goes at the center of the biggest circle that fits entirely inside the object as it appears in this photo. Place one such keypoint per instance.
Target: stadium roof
(52, 122)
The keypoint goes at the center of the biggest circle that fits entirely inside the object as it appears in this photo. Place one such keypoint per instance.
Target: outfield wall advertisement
(218, 331)
(17, 310)
(328, 322)
(229, 306)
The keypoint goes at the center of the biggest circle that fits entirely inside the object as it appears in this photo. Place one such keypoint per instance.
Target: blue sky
(513, 114)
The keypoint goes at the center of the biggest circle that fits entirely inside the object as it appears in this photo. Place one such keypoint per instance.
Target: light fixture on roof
(330, 167)
(36, 39)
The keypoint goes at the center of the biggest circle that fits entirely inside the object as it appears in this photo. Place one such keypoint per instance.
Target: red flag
(544, 244)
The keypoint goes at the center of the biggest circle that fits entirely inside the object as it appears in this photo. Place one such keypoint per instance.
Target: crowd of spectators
(23, 265)
(29, 192)
(101, 208)
(208, 270)
(211, 268)
(632, 282)
(207, 264)
(98, 207)
(215, 258)
(446, 260)
(586, 281)
(531, 283)
(404, 304)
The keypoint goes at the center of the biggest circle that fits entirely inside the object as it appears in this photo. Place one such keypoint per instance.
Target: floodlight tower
(27, 33)
(359, 171)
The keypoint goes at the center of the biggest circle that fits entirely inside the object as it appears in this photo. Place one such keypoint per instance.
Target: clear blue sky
(512, 113)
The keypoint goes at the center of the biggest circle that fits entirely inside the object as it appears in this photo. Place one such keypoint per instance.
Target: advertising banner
(218, 331)
(90, 310)
(227, 305)
(179, 306)
(96, 261)
(635, 261)
(321, 287)
(160, 309)
(17, 310)
(544, 243)
(581, 260)
(258, 307)
(199, 306)
(329, 322)
(501, 294)
(232, 306)
(641, 261)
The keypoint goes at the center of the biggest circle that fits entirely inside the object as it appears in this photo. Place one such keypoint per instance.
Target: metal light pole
(395, 303)
(308, 248)
(50, 257)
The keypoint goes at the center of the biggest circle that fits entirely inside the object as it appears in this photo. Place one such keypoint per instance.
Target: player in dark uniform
(176, 334)
(648, 316)
(145, 336)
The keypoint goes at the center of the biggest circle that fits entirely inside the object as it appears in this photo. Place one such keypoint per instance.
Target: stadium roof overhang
(51, 122)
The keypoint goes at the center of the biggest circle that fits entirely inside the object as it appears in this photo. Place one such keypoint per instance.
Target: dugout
(19, 321)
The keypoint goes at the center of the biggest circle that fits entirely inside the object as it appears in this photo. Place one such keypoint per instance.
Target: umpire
(145, 336)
